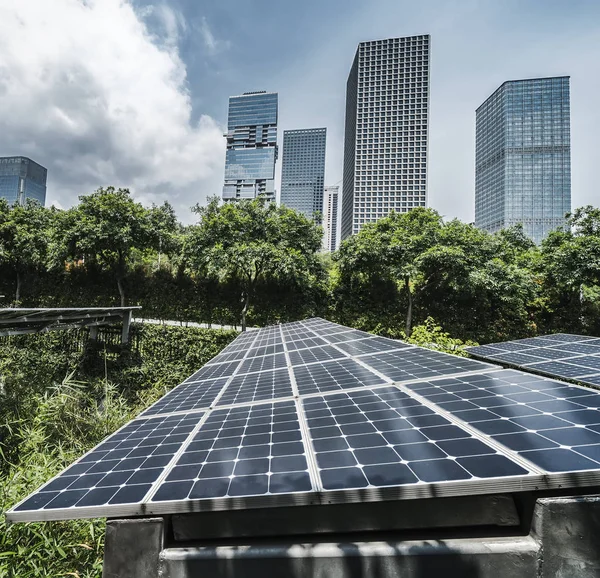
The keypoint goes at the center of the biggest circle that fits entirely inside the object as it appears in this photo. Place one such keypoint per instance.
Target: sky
(133, 93)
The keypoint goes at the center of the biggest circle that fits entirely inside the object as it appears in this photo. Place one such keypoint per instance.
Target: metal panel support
(126, 324)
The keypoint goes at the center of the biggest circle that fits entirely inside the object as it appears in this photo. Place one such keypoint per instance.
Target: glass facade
(330, 218)
(386, 134)
(523, 157)
(251, 146)
(303, 171)
(20, 179)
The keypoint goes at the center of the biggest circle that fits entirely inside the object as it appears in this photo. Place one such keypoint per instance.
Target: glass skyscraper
(251, 146)
(330, 218)
(523, 157)
(21, 179)
(303, 170)
(387, 120)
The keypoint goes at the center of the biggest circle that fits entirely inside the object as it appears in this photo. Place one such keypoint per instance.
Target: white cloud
(88, 91)
(210, 41)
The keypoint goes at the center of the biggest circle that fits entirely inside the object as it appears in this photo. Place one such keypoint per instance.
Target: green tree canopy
(253, 240)
(108, 228)
(24, 239)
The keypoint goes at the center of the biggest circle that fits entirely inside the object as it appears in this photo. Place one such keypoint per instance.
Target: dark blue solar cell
(439, 470)
(465, 447)
(336, 459)
(582, 416)
(249, 485)
(342, 478)
(210, 488)
(525, 441)
(538, 422)
(574, 436)
(559, 460)
(389, 475)
(419, 451)
(130, 494)
(97, 497)
(491, 466)
(290, 482)
(592, 451)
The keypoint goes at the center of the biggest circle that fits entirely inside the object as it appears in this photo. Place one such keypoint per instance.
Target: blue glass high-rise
(251, 146)
(303, 171)
(523, 157)
(21, 179)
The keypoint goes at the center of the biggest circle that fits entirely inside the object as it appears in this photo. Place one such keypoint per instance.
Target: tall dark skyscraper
(523, 157)
(303, 170)
(386, 135)
(251, 146)
(21, 179)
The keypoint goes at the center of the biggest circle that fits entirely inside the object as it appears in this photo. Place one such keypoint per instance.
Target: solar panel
(553, 425)
(415, 362)
(310, 412)
(120, 470)
(561, 355)
(333, 376)
(245, 451)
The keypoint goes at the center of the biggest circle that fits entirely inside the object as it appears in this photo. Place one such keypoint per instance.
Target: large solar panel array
(572, 357)
(313, 412)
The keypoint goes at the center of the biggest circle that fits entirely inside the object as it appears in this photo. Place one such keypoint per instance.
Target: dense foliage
(57, 402)
(256, 263)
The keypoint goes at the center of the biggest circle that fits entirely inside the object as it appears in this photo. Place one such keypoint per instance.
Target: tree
(24, 239)
(390, 249)
(108, 228)
(252, 241)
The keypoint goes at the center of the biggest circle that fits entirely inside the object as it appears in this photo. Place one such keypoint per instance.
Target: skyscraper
(387, 119)
(330, 218)
(523, 157)
(21, 179)
(251, 146)
(303, 170)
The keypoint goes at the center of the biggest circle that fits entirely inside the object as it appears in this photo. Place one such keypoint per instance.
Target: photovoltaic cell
(371, 345)
(333, 376)
(560, 355)
(121, 469)
(414, 363)
(384, 438)
(265, 350)
(188, 397)
(304, 356)
(351, 335)
(245, 451)
(554, 425)
(264, 363)
(252, 387)
(213, 371)
(305, 343)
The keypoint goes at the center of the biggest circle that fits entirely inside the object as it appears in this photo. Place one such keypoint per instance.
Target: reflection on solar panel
(560, 355)
(310, 412)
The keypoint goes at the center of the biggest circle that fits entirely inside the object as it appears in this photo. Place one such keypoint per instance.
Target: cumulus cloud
(90, 92)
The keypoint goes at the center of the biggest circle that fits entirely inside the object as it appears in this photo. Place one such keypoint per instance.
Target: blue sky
(147, 111)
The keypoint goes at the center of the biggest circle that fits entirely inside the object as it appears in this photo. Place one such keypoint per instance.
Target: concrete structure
(303, 171)
(387, 120)
(251, 146)
(22, 179)
(519, 535)
(523, 157)
(330, 218)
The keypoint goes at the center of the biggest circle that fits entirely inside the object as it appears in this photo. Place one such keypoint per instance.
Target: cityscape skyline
(85, 146)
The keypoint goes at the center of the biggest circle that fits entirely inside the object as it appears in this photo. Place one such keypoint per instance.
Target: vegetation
(57, 403)
(254, 263)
